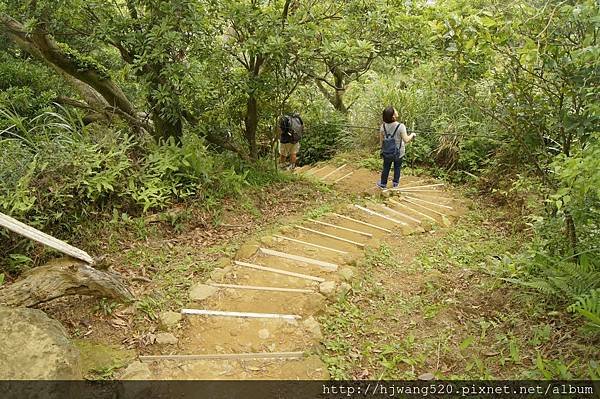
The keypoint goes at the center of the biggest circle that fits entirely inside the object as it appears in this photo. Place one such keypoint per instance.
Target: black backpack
(293, 126)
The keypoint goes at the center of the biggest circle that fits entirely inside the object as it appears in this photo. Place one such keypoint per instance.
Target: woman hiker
(392, 139)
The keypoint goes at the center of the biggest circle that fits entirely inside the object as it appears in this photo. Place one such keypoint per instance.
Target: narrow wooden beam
(413, 210)
(261, 288)
(32, 233)
(222, 313)
(310, 244)
(430, 203)
(404, 215)
(332, 172)
(361, 222)
(423, 207)
(279, 271)
(315, 170)
(324, 265)
(225, 356)
(343, 177)
(362, 233)
(411, 188)
(358, 244)
(370, 212)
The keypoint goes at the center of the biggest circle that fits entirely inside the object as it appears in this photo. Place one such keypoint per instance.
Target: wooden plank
(343, 177)
(262, 288)
(413, 188)
(362, 233)
(21, 228)
(371, 212)
(225, 356)
(251, 315)
(413, 210)
(358, 244)
(430, 203)
(404, 215)
(310, 244)
(322, 264)
(315, 170)
(423, 207)
(332, 172)
(361, 222)
(278, 271)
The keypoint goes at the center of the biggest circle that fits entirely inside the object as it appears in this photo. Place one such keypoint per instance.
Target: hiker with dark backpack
(392, 139)
(291, 128)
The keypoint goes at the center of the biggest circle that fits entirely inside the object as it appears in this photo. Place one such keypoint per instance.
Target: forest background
(113, 109)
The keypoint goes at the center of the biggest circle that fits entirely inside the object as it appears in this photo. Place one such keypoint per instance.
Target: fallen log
(62, 277)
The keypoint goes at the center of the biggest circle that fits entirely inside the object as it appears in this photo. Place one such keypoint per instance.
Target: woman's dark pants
(387, 165)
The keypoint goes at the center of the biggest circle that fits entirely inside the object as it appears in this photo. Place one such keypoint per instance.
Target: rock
(169, 320)
(426, 377)
(200, 292)
(136, 371)
(346, 273)
(246, 251)
(264, 333)
(343, 289)
(166, 339)
(313, 327)
(267, 240)
(223, 262)
(327, 288)
(218, 274)
(35, 347)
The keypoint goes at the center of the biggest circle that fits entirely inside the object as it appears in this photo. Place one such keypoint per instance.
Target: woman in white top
(391, 128)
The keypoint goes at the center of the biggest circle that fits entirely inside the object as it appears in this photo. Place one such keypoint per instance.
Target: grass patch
(444, 310)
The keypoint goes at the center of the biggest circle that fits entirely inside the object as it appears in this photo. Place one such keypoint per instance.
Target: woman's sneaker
(395, 185)
(381, 186)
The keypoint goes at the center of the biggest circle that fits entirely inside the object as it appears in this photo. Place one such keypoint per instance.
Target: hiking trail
(259, 309)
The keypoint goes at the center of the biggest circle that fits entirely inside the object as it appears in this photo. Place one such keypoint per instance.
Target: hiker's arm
(380, 139)
(406, 137)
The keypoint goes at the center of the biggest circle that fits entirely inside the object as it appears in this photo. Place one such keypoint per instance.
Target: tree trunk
(340, 90)
(62, 277)
(251, 124)
(43, 46)
(571, 233)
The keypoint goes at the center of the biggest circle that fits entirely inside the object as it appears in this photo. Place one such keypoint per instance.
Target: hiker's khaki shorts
(286, 149)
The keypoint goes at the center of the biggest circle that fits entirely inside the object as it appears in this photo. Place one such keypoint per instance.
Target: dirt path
(285, 280)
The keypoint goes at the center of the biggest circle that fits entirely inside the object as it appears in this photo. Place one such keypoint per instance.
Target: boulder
(343, 289)
(166, 339)
(313, 327)
(35, 347)
(169, 320)
(246, 251)
(327, 288)
(218, 274)
(200, 292)
(346, 273)
(136, 371)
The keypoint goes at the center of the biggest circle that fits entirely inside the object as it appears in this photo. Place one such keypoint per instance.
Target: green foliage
(588, 306)
(323, 137)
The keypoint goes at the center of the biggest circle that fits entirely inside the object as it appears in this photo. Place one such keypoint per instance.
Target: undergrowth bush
(57, 174)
